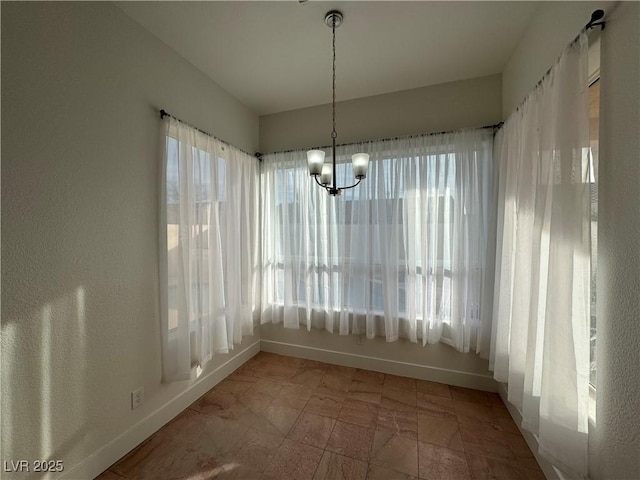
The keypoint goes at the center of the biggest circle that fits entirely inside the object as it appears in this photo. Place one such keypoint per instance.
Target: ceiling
(276, 56)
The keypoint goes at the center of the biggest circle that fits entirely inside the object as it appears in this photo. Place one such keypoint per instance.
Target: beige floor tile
(276, 371)
(310, 377)
(368, 376)
(335, 382)
(402, 423)
(380, 473)
(342, 371)
(312, 429)
(489, 468)
(292, 395)
(233, 471)
(213, 435)
(433, 388)
(281, 417)
(314, 364)
(435, 405)
(477, 443)
(440, 463)
(404, 384)
(394, 452)
(337, 467)
(294, 461)
(159, 455)
(359, 413)
(518, 445)
(108, 475)
(404, 400)
(327, 405)
(365, 392)
(257, 449)
(215, 403)
(439, 431)
(236, 385)
(471, 412)
(353, 441)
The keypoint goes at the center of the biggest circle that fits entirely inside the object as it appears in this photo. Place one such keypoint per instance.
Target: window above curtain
(401, 255)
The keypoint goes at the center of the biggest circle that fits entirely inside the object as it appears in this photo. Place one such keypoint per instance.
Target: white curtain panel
(208, 247)
(401, 255)
(540, 343)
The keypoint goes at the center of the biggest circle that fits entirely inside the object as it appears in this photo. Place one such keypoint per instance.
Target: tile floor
(285, 418)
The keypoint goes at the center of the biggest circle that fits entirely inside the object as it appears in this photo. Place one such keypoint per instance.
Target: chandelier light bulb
(315, 160)
(327, 174)
(360, 164)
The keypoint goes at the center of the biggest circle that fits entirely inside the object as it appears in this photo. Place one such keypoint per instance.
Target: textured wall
(552, 27)
(616, 440)
(447, 106)
(80, 134)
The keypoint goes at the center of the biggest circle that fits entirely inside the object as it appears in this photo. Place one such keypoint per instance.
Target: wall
(81, 85)
(552, 28)
(437, 363)
(616, 440)
(448, 106)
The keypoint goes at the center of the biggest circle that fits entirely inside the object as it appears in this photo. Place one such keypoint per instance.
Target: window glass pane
(594, 120)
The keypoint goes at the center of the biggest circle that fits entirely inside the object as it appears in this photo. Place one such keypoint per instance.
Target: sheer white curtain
(540, 341)
(208, 247)
(401, 255)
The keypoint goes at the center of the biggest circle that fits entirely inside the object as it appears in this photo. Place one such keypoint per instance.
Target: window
(204, 198)
(209, 239)
(402, 254)
(594, 119)
(361, 276)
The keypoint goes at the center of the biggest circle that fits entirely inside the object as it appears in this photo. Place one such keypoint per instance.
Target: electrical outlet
(137, 397)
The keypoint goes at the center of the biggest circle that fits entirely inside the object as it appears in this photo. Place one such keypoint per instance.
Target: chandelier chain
(334, 134)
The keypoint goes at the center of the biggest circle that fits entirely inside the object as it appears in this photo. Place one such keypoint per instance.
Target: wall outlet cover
(137, 397)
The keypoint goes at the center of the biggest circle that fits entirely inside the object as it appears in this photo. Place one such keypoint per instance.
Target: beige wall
(615, 442)
(552, 27)
(448, 106)
(438, 362)
(81, 85)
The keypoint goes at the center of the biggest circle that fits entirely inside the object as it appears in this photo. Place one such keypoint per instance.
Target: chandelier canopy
(325, 173)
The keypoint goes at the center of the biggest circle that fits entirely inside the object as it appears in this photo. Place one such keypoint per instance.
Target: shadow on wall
(46, 399)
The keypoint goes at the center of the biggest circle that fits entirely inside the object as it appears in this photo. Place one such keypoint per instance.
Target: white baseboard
(106, 456)
(392, 367)
(550, 472)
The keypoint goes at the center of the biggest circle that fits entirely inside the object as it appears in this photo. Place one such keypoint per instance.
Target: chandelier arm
(351, 186)
(315, 177)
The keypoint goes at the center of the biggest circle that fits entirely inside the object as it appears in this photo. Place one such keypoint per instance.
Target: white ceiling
(276, 56)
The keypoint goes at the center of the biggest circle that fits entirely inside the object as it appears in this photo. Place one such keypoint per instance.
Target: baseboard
(106, 456)
(550, 472)
(392, 367)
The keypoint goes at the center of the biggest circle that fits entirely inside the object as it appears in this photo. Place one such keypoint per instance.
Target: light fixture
(325, 173)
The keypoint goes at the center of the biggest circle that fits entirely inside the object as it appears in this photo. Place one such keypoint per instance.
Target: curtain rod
(387, 139)
(594, 22)
(164, 113)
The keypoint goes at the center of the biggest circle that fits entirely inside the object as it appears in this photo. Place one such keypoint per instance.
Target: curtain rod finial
(595, 16)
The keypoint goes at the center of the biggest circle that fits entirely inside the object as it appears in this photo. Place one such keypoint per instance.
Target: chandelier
(325, 173)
